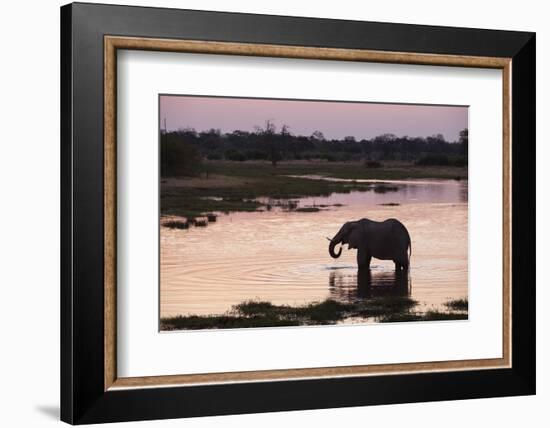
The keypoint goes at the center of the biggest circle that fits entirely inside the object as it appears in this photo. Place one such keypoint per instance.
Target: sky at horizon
(335, 119)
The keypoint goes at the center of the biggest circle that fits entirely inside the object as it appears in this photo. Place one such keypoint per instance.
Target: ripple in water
(282, 257)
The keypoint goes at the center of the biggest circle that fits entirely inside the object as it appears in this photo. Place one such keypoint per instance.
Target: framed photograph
(266, 213)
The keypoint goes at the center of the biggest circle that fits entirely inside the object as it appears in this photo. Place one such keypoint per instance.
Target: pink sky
(334, 119)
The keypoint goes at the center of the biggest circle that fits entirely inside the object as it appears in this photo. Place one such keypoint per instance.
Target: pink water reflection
(282, 256)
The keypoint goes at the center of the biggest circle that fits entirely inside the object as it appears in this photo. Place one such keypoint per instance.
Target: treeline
(183, 150)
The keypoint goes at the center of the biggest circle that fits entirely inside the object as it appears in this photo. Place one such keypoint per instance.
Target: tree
(317, 136)
(182, 150)
(463, 141)
(178, 157)
(268, 134)
(270, 127)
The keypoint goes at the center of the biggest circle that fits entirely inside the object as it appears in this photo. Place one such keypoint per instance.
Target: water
(282, 256)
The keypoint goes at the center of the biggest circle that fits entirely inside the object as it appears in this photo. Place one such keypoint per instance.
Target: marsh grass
(245, 182)
(176, 224)
(307, 210)
(383, 188)
(259, 313)
(458, 310)
(457, 305)
(200, 222)
(432, 315)
(254, 313)
(190, 203)
(403, 317)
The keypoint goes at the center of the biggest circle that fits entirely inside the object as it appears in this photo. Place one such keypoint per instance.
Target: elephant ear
(355, 237)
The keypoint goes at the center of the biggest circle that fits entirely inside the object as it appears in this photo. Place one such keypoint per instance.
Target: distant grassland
(226, 186)
(390, 170)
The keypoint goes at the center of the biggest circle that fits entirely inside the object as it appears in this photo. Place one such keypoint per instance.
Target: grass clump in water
(308, 210)
(253, 307)
(176, 224)
(384, 188)
(457, 304)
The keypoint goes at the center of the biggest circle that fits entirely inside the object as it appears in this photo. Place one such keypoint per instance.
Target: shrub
(178, 158)
(460, 161)
(328, 157)
(234, 155)
(344, 157)
(256, 154)
(433, 160)
(443, 160)
(373, 164)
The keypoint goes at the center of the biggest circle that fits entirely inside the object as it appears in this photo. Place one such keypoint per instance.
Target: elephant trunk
(334, 241)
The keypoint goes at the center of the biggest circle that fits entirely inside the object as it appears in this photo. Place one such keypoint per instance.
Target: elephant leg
(363, 259)
(402, 263)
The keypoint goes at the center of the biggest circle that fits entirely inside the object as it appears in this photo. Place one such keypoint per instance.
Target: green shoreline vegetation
(226, 186)
(257, 313)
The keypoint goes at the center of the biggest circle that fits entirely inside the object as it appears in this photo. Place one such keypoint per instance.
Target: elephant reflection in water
(365, 284)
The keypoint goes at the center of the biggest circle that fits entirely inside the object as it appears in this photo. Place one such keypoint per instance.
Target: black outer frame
(83, 399)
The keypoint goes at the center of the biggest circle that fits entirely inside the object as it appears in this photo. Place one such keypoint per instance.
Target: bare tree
(318, 135)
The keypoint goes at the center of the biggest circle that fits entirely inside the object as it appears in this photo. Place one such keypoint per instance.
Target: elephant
(384, 240)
